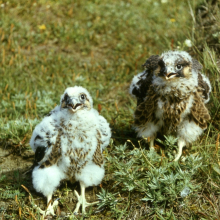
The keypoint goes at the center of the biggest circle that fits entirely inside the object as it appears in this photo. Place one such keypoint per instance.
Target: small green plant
(170, 146)
(2, 176)
(107, 199)
(161, 183)
(10, 193)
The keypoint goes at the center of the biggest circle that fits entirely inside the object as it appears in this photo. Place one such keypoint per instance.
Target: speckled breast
(173, 109)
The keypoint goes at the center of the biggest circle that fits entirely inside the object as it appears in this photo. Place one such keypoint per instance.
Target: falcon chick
(68, 145)
(171, 95)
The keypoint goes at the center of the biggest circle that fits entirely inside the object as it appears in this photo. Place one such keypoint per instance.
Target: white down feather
(84, 124)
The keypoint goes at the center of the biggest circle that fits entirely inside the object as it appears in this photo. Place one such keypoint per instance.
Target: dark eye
(82, 96)
(179, 66)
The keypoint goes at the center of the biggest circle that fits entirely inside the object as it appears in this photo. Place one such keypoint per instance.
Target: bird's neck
(66, 115)
(180, 88)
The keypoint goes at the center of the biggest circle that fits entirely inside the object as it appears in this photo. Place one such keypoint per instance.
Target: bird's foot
(152, 148)
(82, 201)
(152, 144)
(181, 144)
(178, 156)
(50, 209)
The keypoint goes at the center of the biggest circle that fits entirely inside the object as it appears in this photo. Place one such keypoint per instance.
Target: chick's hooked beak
(73, 103)
(167, 72)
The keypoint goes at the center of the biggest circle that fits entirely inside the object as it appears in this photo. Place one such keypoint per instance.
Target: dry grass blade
(26, 189)
(19, 211)
(217, 146)
(217, 211)
(145, 158)
(16, 199)
(214, 63)
(31, 214)
(217, 143)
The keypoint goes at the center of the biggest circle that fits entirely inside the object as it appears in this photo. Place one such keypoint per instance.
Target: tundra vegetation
(47, 46)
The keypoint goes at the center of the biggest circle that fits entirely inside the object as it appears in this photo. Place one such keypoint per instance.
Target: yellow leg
(181, 144)
(82, 200)
(50, 208)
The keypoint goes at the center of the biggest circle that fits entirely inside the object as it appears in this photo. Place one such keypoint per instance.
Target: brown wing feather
(145, 111)
(146, 79)
(144, 84)
(55, 153)
(151, 63)
(204, 88)
(97, 156)
(199, 112)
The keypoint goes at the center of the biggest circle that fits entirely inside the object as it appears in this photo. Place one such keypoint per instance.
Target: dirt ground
(17, 170)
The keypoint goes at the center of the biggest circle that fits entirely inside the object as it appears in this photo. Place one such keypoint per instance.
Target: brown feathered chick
(171, 95)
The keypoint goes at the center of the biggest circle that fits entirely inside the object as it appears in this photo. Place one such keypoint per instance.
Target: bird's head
(173, 65)
(76, 98)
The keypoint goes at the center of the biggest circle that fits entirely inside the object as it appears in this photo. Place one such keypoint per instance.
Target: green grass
(47, 46)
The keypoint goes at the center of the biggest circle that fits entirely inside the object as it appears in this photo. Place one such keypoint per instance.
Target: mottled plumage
(68, 145)
(171, 95)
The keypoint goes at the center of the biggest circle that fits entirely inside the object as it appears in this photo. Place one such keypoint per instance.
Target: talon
(82, 200)
(50, 209)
